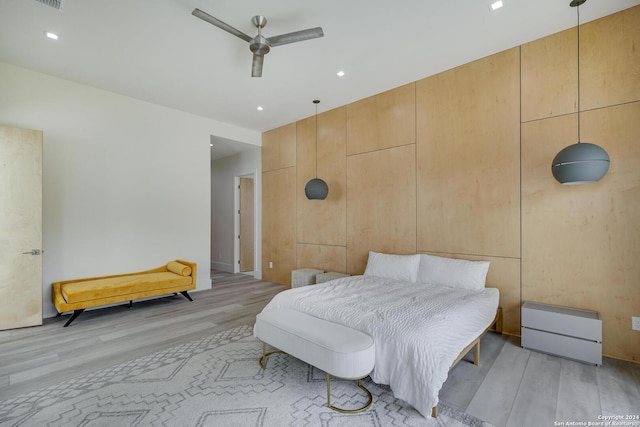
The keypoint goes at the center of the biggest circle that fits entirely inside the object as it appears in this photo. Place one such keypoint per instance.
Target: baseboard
(623, 358)
(222, 266)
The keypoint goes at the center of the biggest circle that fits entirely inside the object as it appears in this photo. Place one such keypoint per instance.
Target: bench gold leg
(348, 411)
(263, 364)
(263, 360)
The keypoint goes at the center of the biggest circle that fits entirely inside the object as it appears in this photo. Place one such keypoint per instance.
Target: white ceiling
(224, 147)
(155, 50)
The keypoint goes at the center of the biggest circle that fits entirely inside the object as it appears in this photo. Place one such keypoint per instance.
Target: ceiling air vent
(53, 3)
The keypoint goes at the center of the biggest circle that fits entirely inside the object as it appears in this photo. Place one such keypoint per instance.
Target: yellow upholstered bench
(79, 294)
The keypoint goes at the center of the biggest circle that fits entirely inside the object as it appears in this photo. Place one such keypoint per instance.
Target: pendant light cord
(578, 10)
(315, 101)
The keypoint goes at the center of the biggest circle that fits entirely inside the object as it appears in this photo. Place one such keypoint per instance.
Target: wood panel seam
(520, 174)
(465, 254)
(581, 111)
(278, 169)
(321, 244)
(380, 149)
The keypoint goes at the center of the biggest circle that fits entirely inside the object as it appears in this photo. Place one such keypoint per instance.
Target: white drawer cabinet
(563, 331)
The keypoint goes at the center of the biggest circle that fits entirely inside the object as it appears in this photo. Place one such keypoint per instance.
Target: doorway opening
(245, 247)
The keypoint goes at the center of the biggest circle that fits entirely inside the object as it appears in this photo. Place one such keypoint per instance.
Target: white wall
(126, 182)
(223, 172)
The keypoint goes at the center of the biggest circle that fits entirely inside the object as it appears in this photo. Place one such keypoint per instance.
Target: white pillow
(455, 273)
(396, 267)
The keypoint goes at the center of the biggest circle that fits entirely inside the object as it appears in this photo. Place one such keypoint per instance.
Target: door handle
(32, 252)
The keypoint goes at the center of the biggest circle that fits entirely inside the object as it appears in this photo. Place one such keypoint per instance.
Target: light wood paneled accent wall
(550, 76)
(279, 203)
(593, 229)
(279, 224)
(323, 221)
(279, 148)
(323, 257)
(381, 200)
(468, 154)
(468, 178)
(581, 244)
(459, 165)
(382, 121)
(610, 60)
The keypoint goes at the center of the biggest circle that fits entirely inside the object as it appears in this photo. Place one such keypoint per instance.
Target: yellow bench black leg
(75, 314)
(186, 295)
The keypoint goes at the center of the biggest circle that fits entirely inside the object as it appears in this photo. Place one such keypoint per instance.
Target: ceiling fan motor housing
(260, 45)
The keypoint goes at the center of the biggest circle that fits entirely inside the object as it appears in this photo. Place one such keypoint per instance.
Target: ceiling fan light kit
(580, 163)
(260, 45)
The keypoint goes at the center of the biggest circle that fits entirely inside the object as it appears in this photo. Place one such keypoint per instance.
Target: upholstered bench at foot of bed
(338, 350)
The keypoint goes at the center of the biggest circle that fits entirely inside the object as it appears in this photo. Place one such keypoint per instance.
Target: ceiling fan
(259, 44)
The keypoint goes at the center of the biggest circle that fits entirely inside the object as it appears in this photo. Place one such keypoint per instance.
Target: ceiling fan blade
(222, 25)
(256, 65)
(297, 36)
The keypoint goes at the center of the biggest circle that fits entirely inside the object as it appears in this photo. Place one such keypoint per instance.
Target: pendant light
(580, 163)
(316, 189)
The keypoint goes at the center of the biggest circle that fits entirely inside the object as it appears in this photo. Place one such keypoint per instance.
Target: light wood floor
(511, 387)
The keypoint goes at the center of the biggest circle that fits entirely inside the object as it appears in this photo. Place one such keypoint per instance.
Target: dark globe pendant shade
(316, 189)
(580, 163)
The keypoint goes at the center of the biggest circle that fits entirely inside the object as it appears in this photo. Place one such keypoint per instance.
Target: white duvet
(418, 329)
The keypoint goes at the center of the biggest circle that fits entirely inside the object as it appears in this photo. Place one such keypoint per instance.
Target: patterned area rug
(214, 381)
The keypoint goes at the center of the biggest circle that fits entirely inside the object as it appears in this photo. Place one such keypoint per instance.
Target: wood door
(20, 228)
(246, 224)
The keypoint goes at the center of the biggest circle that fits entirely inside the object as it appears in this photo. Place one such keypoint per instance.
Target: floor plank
(578, 397)
(619, 391)
(537, 397)
(465, 378)
(495, 396)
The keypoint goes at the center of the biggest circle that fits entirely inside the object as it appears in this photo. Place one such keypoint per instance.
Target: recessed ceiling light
(495, 5)
(340, 73)
(51, 35)
(260, 108)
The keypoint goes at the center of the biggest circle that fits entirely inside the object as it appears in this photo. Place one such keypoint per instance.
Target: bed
(422, 312)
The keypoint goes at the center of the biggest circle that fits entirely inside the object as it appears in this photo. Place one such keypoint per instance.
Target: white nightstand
(562, 331)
